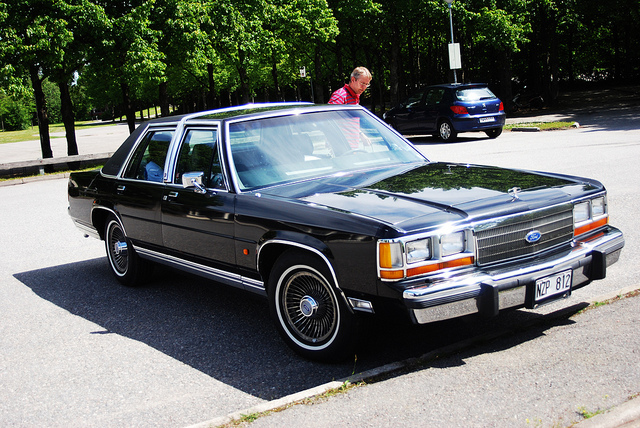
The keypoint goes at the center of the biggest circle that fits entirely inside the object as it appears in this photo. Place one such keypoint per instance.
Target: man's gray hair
(359, 72)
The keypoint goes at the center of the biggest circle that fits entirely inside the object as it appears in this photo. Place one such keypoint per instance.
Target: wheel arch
(442, 119)
(270, 250)
(99, 215)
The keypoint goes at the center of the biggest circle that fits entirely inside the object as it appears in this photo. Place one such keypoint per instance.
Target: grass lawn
(33, 134)
(544, 126)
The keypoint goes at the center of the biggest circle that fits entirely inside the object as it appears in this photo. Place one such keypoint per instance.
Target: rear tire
(125, 264)
(446, 132)
(308, 311)
(493, 133)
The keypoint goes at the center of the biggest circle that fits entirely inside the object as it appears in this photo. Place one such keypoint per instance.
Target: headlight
(581, 212)
(589, 215)
(598, 207)
(452, 243)
(412, 256)
(418, 251)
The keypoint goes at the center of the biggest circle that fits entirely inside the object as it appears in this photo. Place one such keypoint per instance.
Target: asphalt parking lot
(79, 350)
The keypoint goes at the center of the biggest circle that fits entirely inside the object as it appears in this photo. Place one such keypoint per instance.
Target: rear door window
(148, 160)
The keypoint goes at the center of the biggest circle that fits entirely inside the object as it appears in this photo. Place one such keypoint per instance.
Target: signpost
(455, 60)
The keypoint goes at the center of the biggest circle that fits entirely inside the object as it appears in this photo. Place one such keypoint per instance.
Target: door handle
(120, 188)
(173, 194)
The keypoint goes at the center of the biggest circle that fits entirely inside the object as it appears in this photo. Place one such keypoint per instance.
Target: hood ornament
(513, 192)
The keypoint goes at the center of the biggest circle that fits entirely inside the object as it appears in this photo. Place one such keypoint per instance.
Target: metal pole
(455, 76)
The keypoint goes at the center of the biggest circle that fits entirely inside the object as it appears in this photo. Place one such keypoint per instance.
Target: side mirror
(194, 179)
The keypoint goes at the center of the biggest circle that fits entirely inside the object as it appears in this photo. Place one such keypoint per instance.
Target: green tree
(128, 56)
(15, 111)
(83, 19)
(32, 38)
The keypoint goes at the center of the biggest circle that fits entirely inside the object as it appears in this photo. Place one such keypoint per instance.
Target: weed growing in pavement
(582, 411)
(535, 422)
(332, 392)
(594, 305)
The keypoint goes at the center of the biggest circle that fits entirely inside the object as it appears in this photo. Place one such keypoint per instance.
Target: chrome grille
(505, 240)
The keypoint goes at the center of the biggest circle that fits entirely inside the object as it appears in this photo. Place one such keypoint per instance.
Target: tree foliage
(119, 56)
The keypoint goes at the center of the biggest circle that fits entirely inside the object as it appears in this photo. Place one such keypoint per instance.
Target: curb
(626, 413)
(526, 129)
(31, 179)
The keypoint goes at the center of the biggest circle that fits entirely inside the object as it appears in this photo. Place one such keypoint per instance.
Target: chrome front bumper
(487, 291)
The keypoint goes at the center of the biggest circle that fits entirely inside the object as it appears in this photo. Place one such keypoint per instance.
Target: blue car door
(408, 118)
(432, 109)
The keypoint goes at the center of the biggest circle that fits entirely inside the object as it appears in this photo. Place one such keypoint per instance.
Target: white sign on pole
(455, 60)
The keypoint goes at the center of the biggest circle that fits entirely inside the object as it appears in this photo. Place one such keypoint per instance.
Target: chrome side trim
(87, 229)
(467, 293)
(208, 272)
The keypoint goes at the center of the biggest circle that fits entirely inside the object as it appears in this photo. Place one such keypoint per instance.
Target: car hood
(431, 194)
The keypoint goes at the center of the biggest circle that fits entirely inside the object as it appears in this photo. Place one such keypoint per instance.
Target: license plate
(487, 119)
(558, 283)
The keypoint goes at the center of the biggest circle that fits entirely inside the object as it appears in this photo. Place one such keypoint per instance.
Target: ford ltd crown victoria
(331, 215)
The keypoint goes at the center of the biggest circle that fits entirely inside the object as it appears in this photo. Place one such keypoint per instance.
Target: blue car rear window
(474, 94)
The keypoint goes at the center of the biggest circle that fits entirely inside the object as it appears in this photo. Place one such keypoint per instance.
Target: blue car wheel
(446, 131)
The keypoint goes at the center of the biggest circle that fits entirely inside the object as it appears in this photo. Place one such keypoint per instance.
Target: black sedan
(446, 110)
(332, 216)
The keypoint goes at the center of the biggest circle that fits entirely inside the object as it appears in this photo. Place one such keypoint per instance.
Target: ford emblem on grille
(533, 236)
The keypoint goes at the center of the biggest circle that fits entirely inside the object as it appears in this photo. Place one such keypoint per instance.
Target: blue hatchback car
(448, 109)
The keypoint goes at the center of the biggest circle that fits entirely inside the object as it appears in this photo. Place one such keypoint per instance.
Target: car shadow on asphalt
(228, 335)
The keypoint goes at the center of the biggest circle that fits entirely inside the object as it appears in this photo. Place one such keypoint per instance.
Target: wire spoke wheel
(310, 315)
(117, 248)
(310, 308)
(125, 264)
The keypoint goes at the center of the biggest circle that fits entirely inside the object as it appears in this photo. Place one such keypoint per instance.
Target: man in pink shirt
(350, 92)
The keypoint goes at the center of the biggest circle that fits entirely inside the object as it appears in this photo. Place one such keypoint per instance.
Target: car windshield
(271, 151)
(474, 94)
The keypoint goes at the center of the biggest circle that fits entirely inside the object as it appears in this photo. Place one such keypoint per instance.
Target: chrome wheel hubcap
(308, 306)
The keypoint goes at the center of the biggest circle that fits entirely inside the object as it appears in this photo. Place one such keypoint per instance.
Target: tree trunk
(393, 66)
(244, 85)
(130, 112)
(319, 94)
(163, 99)
(66, 108)
(211, 94)
(274, 75)
(43, 117)
(504, 76)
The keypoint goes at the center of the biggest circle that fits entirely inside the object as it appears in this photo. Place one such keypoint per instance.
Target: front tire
(309, 314)
(446, 132)
(125, 264)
